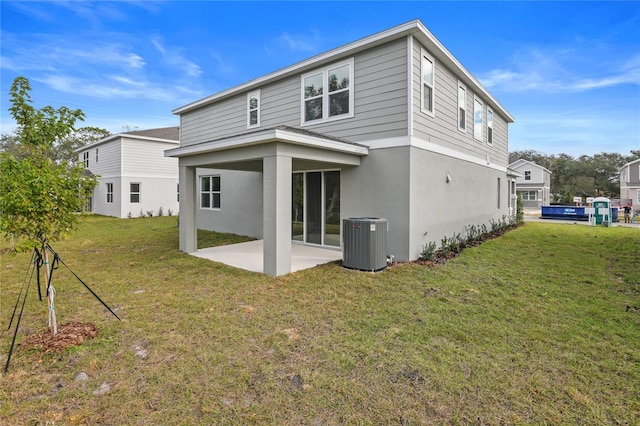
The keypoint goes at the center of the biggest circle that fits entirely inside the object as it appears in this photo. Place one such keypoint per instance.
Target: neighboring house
(630, 182)
(389, 126)
(534, 184)
(134, 176)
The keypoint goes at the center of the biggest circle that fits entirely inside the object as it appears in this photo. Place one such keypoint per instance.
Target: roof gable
(161, 134)
(413, 28)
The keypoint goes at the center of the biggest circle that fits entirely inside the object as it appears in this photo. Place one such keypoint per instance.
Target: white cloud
(561, 70)
(173, 56)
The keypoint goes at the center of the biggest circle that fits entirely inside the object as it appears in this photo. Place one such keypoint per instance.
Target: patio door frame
(305, 209)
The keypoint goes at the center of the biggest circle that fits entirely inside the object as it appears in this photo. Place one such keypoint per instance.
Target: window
(527, 175)
(253, 109)
(529, 195)
(134, 192)
(428, 81)
(109, 192)
(462, 108)
(177, 192)
(210, 192)
(477, 119)
(489, 126)
(85, 158)
(336, 101)
(638, 196)
(96, 155)
(498, 193)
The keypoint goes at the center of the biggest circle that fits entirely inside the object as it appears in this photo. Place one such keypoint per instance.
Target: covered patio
(250, 255)
(276, 153)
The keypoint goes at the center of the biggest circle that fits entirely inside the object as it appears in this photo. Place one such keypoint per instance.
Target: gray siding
(380, 107)
(443, 127)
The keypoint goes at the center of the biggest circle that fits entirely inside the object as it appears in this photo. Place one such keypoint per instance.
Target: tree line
(585, 176)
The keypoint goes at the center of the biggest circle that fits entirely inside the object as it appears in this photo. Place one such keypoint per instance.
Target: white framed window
(134, 192)
(427, 103)
(177, 192)
(109, 192)
(96, 155)
(85, 158)
(327, 94)
(529, 195)
(477, 119)
(253, 109)
(527, 175)
(638, 196)
(210, 192)
(489, 126)
(499, 194)
(462, 107)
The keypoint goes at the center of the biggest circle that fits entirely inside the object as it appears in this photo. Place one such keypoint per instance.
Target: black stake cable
(15, 308)
(38, 262)
(56, 259)
(15, 333)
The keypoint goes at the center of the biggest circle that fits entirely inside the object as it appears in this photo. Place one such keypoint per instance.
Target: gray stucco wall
(240, 206)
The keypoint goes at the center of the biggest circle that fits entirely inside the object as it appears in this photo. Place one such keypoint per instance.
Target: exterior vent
(365, 243)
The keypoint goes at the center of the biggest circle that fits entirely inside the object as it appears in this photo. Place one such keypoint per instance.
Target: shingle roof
(170, 133)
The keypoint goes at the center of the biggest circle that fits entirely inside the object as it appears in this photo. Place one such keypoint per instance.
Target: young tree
(39, 197)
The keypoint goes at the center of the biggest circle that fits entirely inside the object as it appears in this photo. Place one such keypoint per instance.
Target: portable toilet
(602, 207)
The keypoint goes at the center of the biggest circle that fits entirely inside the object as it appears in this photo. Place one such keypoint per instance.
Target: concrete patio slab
(249, 255)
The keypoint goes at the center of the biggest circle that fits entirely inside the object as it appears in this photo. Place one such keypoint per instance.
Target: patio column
(276, 225)
(188, 201)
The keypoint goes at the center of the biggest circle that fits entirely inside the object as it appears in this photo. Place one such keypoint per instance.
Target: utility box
(365, 243)
(603, 214)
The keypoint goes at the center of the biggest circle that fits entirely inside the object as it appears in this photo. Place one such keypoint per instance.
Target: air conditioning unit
(364, 243)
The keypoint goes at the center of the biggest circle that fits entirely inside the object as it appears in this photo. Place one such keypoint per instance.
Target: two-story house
(630, 182)
(533, 183)
(134, 176)
(389, 126)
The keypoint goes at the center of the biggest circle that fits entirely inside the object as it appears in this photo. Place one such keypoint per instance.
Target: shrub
(160, 211)
(150, 213)
(169, 212)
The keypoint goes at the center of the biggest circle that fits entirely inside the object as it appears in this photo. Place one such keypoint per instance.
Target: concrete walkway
(248, 256)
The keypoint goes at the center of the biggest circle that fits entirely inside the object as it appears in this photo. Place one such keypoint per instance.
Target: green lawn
(539, 326)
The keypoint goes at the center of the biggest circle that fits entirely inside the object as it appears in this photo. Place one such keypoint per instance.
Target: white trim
(270, 135)
(210, 192)
(477, 100)
(325, 93)
(410, 85)
(256, 94)
(464, 106)
(489, 133)
(112, 138)
(425, 55)
(419, 143)
(132, 192)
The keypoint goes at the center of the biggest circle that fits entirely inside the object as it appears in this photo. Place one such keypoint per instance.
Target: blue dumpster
(564, 212)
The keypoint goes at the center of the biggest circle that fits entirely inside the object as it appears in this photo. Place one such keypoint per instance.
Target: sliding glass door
(315, 215)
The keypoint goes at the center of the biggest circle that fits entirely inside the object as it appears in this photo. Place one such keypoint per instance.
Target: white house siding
(442, 128)
(380, 107)
(630, 182)
(100, 205)
(153, 195)
(240, 203)
(146, 157)
(107, 169)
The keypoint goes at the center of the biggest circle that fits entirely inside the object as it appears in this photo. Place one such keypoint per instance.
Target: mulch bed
(70, 334)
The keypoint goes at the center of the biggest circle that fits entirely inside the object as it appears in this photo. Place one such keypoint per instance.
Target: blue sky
(569, 72)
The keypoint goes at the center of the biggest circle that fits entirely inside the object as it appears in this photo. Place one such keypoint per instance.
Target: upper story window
(134, 192)
(85, 158)
(327, 94)
(477, 119)
(462, 107)
(428, 83)
(527, 175)
(253, 109)
(489, 126)
(109, 192)
(96, 155)
(210, 192)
